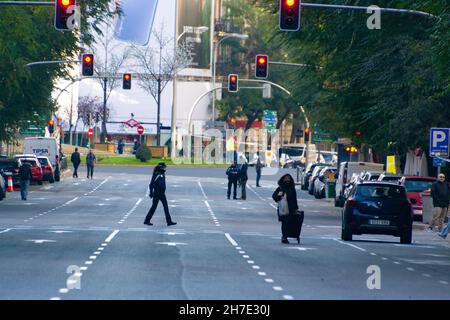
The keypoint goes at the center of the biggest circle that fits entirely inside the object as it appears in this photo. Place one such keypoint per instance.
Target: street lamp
(186, 29)
(216, 47)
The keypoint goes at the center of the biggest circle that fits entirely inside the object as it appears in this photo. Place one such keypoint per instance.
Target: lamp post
(216, 47)
(186, 29)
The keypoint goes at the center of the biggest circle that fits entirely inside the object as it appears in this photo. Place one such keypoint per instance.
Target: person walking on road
(158, 193)
(243, 178)
(25, 176)
(76, 161)
(233, 176)
(90, 163)
(286, 197)
(258, 167)
(440, 193)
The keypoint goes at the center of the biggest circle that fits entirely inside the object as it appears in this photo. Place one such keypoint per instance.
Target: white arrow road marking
(41, 241)
(172, 244)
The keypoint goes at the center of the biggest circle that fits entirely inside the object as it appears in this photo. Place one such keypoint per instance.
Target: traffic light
(262, 66)
(307, 135)
(233, 83)
(51, 126)
(88, 65)
(352, 149)
(65, 14)
(127, 81)
(290, 15)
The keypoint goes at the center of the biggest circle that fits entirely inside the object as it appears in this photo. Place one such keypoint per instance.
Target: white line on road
(131, 211)
(233, 243)
(350, 245)
(5, 231)
(261, 198)
(201, 188)
(111, 236)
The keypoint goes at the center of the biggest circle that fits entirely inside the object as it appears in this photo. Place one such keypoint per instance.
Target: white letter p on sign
(438, 137)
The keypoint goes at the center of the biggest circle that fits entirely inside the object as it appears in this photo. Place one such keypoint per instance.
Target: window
(381, 192)
(418, 185)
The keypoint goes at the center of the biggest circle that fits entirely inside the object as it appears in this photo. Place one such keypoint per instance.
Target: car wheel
(346, 235)
(406, 237)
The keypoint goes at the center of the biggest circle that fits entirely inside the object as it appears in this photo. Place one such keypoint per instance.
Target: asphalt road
(82, 239)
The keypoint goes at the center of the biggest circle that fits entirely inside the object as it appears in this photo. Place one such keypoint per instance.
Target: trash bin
(427, 207)
(331, 189)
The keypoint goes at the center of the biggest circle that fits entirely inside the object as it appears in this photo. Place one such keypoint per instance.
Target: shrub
(144, 153)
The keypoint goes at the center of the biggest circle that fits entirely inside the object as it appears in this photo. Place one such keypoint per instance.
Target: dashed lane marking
(350, 245)
(201, 188)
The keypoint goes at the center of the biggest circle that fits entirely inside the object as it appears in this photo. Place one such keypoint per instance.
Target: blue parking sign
(439, 142)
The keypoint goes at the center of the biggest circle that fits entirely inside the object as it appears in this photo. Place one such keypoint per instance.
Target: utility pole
(158, 129)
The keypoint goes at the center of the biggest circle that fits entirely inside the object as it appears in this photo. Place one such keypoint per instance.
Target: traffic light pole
(38, 63)
(27, 3)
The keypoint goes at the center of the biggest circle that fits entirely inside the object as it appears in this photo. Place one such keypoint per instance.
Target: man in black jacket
(25, 176)
(233, 176)
(441, 194)
(243, 178)
(76, 161)
(158, 193)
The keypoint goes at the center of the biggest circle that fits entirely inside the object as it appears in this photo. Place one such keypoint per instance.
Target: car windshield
(391, 178)
(374, 177)
(31, 162)
(418, 185)
(43, 161)
(380, 192)
(7, 165)
(293, 152)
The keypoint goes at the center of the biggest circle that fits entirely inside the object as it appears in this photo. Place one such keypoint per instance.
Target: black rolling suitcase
(292, 225)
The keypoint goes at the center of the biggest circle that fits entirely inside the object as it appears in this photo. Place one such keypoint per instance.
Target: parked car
(371, 175)
(36, 169)
(385, 177)
(314, 176)
(10, 167)
(329, 157)
(2, 187)
(47, 169)
(304, 178)
(346, 171)
(320, 185)
(356, 178)
(415, 186)
(378, 208)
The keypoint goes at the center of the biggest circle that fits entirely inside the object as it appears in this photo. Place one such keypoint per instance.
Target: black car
(10, 167)
(378, 208)
(2, 187)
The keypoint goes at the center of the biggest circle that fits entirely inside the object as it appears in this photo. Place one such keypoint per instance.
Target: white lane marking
(245, 257)
(261, 198)
(172, 244)
(41, 241)
(84, 268)
(256, 267)
(5, 231)
(55, 299)
(88, 262)
(384, 258)
(231, 240)
(426, 275)
(410, 269)
(250, 262)
(287, 297)
(92, 257)
(278, 288)
(238, 248)
(125, 217)
(443, 282)
(63, 290)
(201, 188)
(397, 263)
(373, 254)
(111, 236)
(350, 245)
(262, 274)
(274, 206)
(268, 280)
(242, 252)
(60, 232)
(300, 248)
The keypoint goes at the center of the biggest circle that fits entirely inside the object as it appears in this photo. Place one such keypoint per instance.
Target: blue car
(2, 187)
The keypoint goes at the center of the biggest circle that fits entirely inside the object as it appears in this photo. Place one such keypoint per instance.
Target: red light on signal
(307, 130)
(66, 2)
(51, 122)
(127, 77)
(290, 3)
(88, 59)
(262, 61)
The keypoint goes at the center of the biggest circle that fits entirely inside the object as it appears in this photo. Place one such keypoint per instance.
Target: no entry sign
(140, 130)
(90, 133)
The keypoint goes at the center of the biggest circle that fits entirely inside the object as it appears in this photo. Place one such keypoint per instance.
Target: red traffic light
(88, 65)
(358, 133)
(290, 3)
(64, 12)
(51, 123)
(262, 66)
(307, 131)
(127, 81)
(233, 83)
(290, 15)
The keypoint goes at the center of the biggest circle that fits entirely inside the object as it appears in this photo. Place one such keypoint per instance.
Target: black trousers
(156, 200)
(75, 170)
(244, 189)
(258, 178)
(232, 183)
(90, 171)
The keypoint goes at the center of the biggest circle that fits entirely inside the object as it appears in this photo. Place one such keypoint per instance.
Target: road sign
(132, 123)
(270, 114)
(439, 142)
(439, 163)
(90, 133)
(140, 130)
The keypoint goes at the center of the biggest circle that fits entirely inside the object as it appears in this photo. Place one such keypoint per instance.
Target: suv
(378, 208)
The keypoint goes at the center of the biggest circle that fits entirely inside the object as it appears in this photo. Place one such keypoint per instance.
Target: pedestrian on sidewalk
(90, 163)
(286, 197)
(440, 193)
(243, 178)
(158, 193)
(25, 176)
(76, 161)
(233, 176)
(258, 167)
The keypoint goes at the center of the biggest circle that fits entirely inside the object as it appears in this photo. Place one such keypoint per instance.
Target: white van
(346, 171)
(46, 147)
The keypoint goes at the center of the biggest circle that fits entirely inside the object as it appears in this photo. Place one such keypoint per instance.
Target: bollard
(10, 184)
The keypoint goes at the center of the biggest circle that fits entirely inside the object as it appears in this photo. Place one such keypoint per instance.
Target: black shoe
(171, 224)
(228, 198)
(148, 223)
(285, 241)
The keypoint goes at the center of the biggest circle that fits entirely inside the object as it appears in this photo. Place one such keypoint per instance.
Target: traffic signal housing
(262, 66)
(51, 126)
(127, 81)
(233, 83)
(290, 15)
(307, 135)
(64, 10)
(87, 65)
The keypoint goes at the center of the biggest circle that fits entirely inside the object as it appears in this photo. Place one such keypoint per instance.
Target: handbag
(283, 207)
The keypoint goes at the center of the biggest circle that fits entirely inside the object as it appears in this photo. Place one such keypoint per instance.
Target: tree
(157, 66)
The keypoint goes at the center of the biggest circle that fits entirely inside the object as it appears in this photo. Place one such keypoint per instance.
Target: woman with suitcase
(291, 219)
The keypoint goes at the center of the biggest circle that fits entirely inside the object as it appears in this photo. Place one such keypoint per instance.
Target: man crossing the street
(76, 161)
(25, 176)
(440, 193)
(90, 162)
(233, 176)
